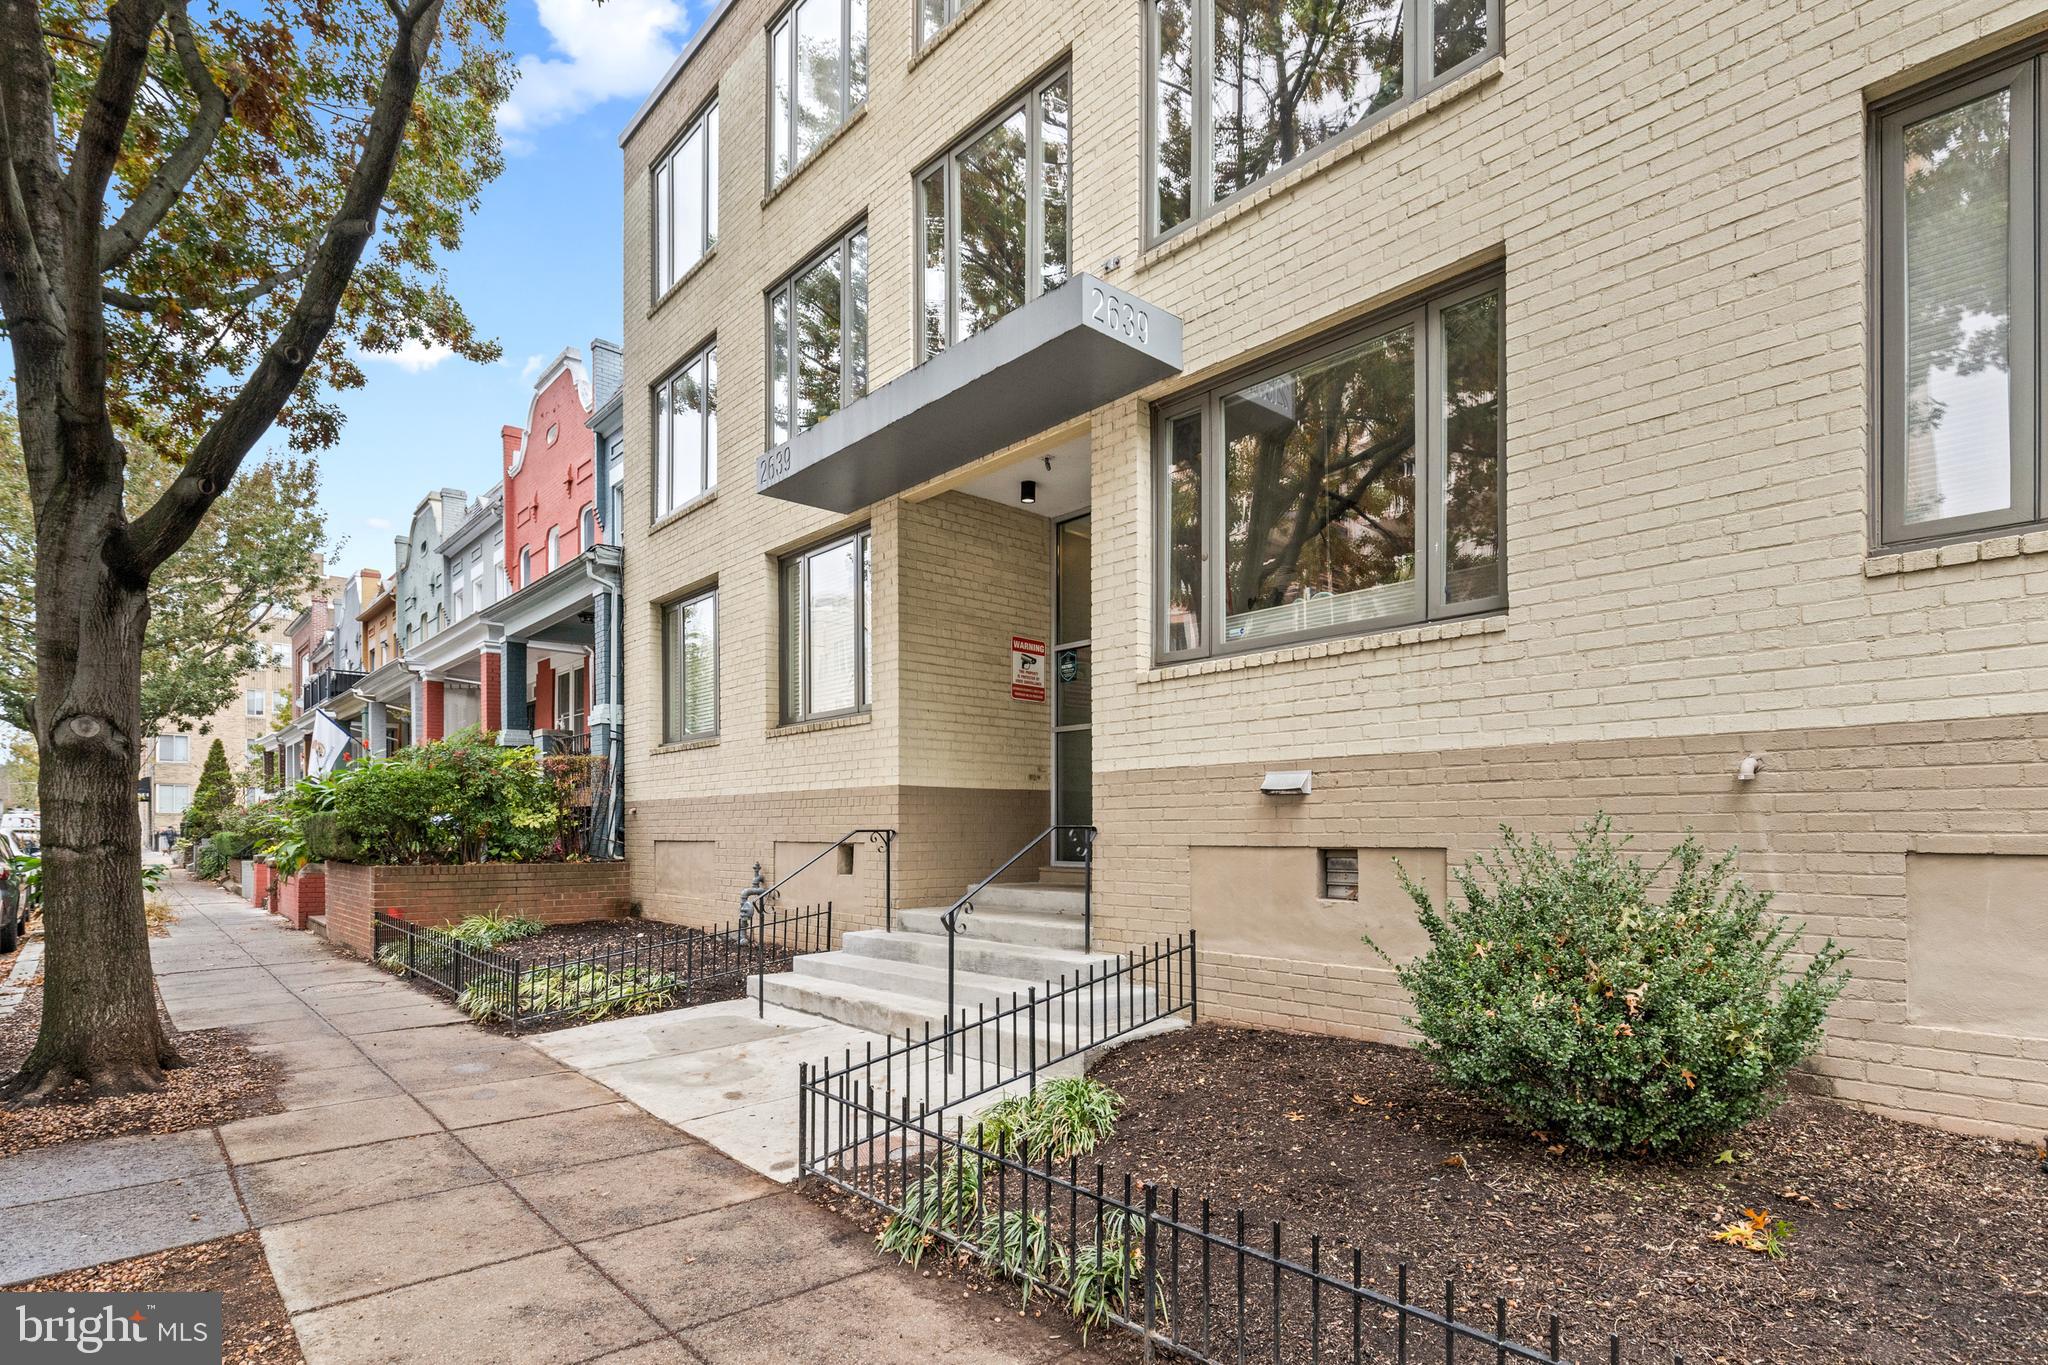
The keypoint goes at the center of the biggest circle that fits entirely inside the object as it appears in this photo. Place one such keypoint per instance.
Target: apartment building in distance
(173, 759)
(1293, 454)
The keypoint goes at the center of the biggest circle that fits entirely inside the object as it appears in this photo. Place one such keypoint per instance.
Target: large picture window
(686, 433)
(689, 639)
(827, 596)
(818, 75)
(993, 217)
(686, 201)
(1357, 487)
(1959, 421)
(818, 338)
(1240, 88)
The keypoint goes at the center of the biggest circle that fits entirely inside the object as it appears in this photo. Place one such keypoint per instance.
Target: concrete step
(318, 924)
(1046, 900)
(1021, 928)
(988, 956)
(878, 1009)
(923, 980)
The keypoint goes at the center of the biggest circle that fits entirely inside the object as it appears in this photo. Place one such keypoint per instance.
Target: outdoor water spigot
(749, 896)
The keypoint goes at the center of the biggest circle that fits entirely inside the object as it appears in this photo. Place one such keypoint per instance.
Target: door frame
(1054, 728)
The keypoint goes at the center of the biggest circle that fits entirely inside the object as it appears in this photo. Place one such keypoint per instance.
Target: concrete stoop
(1019, 938)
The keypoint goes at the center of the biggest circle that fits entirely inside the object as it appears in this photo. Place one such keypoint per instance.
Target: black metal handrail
(765, 897)
(950, 920)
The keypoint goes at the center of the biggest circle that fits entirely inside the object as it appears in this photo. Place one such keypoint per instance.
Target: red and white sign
(1027, 669)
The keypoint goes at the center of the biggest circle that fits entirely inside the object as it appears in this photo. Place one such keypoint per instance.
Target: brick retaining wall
(553, 893)
(304, 896)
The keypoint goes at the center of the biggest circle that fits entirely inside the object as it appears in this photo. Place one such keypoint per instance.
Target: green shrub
(211, 860)
(460, 799)
(483, 933)
(1589, 1004)
(946, 1197)
(1063, 1118)
(213, 798)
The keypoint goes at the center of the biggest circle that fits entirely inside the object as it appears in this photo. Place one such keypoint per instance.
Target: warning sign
(1027, 669)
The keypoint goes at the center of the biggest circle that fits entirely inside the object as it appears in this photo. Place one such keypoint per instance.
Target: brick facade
(553, 893)
(300, 898)
(1678, 200)
(550, 470)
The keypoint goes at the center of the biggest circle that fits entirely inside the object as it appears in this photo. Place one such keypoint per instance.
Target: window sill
(1495, 624)
(951, 26)
(817, 153)
(1888, 565)
(683, 746)
(1320, 162)
(692, 273)
(669, 518)
(810, 727)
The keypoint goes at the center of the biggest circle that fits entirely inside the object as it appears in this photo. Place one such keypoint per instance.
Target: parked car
(19, 863)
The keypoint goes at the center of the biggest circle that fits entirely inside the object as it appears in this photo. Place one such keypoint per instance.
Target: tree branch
(148, 207)
(156, 534)
(249, 293)
(28, 290)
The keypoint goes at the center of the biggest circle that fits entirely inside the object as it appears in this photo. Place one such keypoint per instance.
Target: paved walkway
(434, 1193)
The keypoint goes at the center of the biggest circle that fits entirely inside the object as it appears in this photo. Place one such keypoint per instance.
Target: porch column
(431, 715)
(375, 733)
(604, 711)
(518, 723)
(491, 699)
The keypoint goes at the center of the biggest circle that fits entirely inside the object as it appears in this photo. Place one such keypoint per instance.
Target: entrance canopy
(1061, 355)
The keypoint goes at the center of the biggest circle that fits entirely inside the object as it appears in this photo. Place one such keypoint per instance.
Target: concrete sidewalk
(434, 1192)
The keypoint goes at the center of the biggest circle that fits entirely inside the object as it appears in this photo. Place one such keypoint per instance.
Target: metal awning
(1059, 356)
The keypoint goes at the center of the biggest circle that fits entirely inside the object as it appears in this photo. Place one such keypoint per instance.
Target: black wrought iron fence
(999, 1042)
(1186, 1278)
(663, 967)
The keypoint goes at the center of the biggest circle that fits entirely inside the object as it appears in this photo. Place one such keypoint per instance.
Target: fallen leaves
(1756, 1231)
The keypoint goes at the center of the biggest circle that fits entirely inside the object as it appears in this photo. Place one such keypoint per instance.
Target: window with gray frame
(686, 201)
(827, 596)
(1960, 239)
(933, 15)
(689, 642)
(1240, 88)
(685, 433)
(818, 337)
(817, 77)
(992, 216)
(1355, 487)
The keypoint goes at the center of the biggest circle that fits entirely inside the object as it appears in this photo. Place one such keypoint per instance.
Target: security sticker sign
(1027, 669)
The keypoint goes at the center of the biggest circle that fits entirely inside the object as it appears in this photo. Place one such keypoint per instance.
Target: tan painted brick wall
(1678, 193)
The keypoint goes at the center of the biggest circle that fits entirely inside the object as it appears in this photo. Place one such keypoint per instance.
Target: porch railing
(1084, 835)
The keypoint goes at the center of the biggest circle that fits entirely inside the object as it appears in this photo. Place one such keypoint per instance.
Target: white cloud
(598, 52)
(414, 357)
(531, 368)
(377, 523)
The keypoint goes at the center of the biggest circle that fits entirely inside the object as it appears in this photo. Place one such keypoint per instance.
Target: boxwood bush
(1614, 1005)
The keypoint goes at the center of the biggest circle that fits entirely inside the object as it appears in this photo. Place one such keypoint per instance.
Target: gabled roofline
(675, 70)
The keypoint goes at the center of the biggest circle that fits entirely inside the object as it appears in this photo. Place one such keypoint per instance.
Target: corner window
(826, 629)
(1355, 488)
(992, 217)
(818, 75)
(1960, 441)
(689, 648)
(686, 432)
(1241, 88)
(818, 338)
(686, 201)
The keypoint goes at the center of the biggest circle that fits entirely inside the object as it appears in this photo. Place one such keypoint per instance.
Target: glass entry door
(1073, 801)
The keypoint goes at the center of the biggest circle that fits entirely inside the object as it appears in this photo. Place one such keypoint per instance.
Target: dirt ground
(254, 1324)
(1904, 1243)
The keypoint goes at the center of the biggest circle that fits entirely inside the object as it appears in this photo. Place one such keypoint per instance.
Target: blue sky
(539, 268)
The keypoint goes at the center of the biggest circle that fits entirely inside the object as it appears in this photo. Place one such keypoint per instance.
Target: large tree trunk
(100, 1022)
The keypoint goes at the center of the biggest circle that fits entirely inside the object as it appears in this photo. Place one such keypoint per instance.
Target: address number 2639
(1118, 316)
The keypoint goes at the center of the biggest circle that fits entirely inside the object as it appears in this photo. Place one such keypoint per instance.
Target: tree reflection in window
(993, 218)
(817, 337)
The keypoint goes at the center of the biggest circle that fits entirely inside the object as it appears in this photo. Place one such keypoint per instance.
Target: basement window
(1340, 874)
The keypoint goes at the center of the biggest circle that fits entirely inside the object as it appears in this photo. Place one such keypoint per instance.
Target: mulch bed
(593, 937)
(1908, 1244)
(254, 1324)
(221, 1081)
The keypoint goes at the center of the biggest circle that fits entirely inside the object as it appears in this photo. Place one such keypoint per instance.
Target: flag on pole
(329, 739)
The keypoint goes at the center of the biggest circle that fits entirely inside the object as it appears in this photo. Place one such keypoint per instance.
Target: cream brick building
(1680, 483)
(172, 760)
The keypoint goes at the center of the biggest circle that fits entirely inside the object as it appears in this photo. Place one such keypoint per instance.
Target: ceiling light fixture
(1029, 493)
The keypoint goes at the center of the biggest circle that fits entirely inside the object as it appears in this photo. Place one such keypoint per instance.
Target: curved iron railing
(763, 899)
(965, 905)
